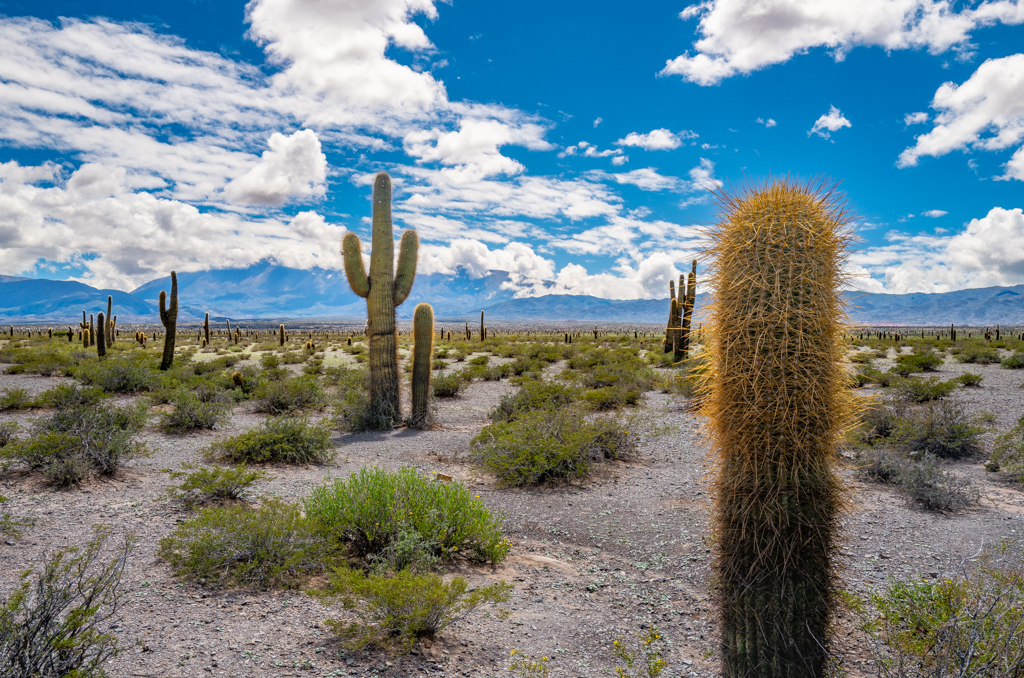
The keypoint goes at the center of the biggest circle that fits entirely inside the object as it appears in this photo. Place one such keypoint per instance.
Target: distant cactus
(280, 334)
(101, 335)
(206, 329)
(169, 318)
(483, 328)
(422, 353)
(385, 288)
(71, 335)
(108, 330)
(687, 302)
(777, 404)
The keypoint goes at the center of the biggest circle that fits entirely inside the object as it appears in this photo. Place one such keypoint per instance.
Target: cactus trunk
(423, 350)
(206, 328)
(101, 335)
(169, 318)
(776, 406)
(384, 288)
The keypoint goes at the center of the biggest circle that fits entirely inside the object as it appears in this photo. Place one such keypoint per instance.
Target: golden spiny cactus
(777, 402)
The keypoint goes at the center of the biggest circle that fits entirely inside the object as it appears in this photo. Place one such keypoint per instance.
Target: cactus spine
(101, 335)
(385, 288)
(776, 405)
(169, 318)
(422, 353)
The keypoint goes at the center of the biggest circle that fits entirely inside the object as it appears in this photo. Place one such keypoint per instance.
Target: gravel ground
(589, 563)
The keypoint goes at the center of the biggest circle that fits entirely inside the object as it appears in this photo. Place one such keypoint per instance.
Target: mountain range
(270, 292)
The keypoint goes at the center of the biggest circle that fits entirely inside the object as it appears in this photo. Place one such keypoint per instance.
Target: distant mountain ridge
(266, 291)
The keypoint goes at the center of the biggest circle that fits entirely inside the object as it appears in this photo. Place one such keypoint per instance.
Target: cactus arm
(405, 272)
(351, 250)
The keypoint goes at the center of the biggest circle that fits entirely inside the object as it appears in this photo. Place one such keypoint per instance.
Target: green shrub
(970, 623)
(862, 358)
(216, 483)
(52, 624)
(550, 446)
(611, 397)
(534, 395)
(287, 395)
(63, 396)
(641, 655)
(71, 443)
(920, 478)
(969, 379)
(7, 431)
(15, 399)
(448, 385)
(917, 362)
(981, 355)
(283, 440)
(438, 364)
(270, 546)
(1014, 361)
(375, 507)
(120, 373)
(396, 611)
(191, 414)
(942, 428)
(919, 390)
(1008, 451)
(480, 360)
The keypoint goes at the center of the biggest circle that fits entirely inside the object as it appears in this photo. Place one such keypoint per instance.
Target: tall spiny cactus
(686, 311)
(280, 334)
(92, 330)
(385, 288)
(169, 318)
(777, 403)
(667, 345)
(483, 328)
(101, 335)
(423, 349)
(108, 330)
(206, 328)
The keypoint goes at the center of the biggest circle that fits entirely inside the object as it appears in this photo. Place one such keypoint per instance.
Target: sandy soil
(589, 562)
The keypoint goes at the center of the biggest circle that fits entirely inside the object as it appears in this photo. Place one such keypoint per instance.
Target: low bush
(214, 483)
(7, 431)
(374, 508)
(1014, 361)
(16, 399)
(63, 396)
(970, 380)
(970, 623)
(550, 446)
(920, 390)
(448, 385)
(641, 655)
(981, 355)
(917, 362)
(942, 428)
(920, 478)
(284, 440)
(192, 414)
(265, 547)
(54, 623)
(73, 442)
(534, 395)
(396, 611)
(120, 373)
(288, 395)
(611, 397)
(480, 360)
(1008, 452)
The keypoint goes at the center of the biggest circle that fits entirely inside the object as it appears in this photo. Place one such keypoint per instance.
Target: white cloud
(339, 48)
(984, 113)
(988, 252)
(742, 36)
(656, 140)
(828, 123)
(770, 122)
(589, 150)
(915, 118)
(475, 147)
(122, 239)
(934, 214)
(620, 160)
(598, 121)
(702, 177)
(646, 179)
(294, 167)
(473, 256)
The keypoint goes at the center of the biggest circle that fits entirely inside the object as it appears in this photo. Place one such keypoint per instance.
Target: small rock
(991, 465)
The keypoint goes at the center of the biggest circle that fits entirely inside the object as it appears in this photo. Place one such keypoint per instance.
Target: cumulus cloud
(742, 36)
(828, 123)
(984, 113)
(589, 150)
(915, 118)
(770, 122)
(339, 48)
(934, 214)
(475, 258)
(988, 252)
(122, 239)
(293, 168)
(475, 146)
(646, 179)
(620, 160)
(656, 140)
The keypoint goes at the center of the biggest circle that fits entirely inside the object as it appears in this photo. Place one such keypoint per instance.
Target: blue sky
(571, 144)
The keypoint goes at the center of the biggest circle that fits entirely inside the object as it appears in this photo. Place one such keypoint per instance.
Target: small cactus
(423, 350)
(101, 335)
(280, 334)
(169, 318)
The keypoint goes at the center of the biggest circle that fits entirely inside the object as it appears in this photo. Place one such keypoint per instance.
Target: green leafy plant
(287, 395)
(527, 667)
(16, 399)
(981, 355)
(919, 390)
(970, 380)
(396, 611)
(550, 446)
(204, 484)
(919, 477)
(53, 623)
(266, 547)
(64, 396)
(942, 428)
(449, 384)
(1008, 452)
(534, 395)
(124, 372)
(1014, 361)
(374, 508)
(191, 414)
(283, 440)
(640, 655)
